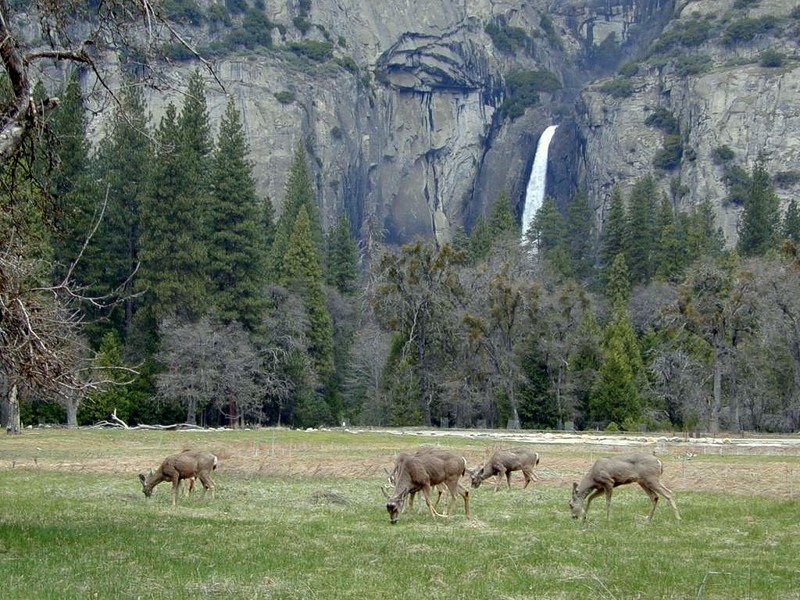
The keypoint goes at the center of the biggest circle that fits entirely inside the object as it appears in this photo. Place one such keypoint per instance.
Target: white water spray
(534, 194)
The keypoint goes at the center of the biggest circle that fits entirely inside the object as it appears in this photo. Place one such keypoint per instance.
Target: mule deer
(608, 473)
(186, 465)
(504, 462)
(440, 488)
(420, 472)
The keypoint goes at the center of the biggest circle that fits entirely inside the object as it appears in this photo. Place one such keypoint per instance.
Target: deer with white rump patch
(422, 471)
(608, 473)
(504, 462)
(188, 465)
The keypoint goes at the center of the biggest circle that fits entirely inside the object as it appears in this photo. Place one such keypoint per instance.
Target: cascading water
(534, 194)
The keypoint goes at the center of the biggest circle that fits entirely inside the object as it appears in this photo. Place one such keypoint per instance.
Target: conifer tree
(124, 158)
(642, 229)
(615, 231)
(791, 222)
(502, 220)
(480, 241)
(703, 237)
(302, 273)
(299, 194)
(174, 261)
(342, 257)
(580, 234)
(759, 227)
(236, 252)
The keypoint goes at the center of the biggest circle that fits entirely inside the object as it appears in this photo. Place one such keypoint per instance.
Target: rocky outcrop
(404, 126)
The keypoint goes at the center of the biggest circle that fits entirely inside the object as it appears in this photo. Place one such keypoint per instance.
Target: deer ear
(141, 477)
(574, 487)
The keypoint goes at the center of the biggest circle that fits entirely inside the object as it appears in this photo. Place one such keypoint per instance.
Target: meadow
(301, 514)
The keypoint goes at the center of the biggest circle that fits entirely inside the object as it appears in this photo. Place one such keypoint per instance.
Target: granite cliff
(420, 112)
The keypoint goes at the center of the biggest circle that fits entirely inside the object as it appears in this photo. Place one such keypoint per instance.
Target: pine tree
(502, 220)
(342, 257)
(580, 235)
(642, 229)
(480, 241)
(236, 252)
(615, 232)
(759, 227)
(173, 275)
(302, 273)
(791, 223)
(703, 237)
(548, 227)
(299, 194)
(124, 158)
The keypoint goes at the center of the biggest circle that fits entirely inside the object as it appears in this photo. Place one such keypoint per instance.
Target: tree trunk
(13, 424)
(71, 406)
(191, 412)
(716, 401)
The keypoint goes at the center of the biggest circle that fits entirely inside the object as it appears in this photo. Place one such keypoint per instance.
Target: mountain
(417, 113)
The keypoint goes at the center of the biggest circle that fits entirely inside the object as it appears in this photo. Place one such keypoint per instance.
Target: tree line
(198, 303)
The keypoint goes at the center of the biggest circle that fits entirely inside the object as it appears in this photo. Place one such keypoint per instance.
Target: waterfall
(534, 194)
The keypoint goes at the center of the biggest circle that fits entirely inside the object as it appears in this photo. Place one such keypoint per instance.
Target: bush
(722, 154)
(347, 63)
(784, 179)
(669, 157)
(738, 182)
(284, 97)
(619, 87)
(684, 34)
(522, 90)
(183, 11)
(312, 49)
(254, 31)
(744, 30)
(692, 64)
(302, 24)
(508, 39)
(664, 120)
(771, 59)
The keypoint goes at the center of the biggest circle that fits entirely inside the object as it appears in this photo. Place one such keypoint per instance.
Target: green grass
(72, 533)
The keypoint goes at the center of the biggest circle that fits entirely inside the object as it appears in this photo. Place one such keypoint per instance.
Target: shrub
(619, 87)
(347, 63)
(771, 59)
(508, 39)
(237, 7)
(302, 24)
(744, 30)
(255, 30)
(745, 3)
(664, 120)
(669, 157)
(313, 49)
(684, 34)
(695, 64)
(183, 11)
(284, 96)
(784, 179)
(522, 90)
(738, 182)
(629, 69)
(722, 154)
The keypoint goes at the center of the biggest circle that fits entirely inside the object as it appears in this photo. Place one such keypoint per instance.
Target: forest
(176, 294)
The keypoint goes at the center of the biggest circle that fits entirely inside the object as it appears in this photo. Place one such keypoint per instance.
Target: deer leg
(465, 494)
(208, 484)
(608, 492)
(653, 500)
(426, 491)
(589, 499)
(528, 476)
(508, 479)
(176, 481)
(661, 489)
(439, 493)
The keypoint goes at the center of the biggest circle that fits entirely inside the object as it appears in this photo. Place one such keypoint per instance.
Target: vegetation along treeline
(197, 303)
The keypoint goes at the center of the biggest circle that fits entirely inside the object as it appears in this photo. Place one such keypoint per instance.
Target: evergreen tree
(124, 158)
(615, 231)
(502, 220)
(580, 235)
(302, 273)
(299, 194)
(174, 263)
(236, 253)
(791, 222)
(548, 227)
(342, 257)
(759, 227)
(480, 241)
(703, 237)
(642, 229)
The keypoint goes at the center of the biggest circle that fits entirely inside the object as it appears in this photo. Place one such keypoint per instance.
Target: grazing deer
(423, 470)
(608, 473)
(504, 462)
(186, 465)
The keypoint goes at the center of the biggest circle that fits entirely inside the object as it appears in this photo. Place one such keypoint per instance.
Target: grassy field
(301, 515)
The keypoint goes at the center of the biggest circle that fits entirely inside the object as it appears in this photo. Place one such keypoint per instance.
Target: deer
(608, 473)
(187, 465)
(504, 462)
(423, 470)
(392, 475)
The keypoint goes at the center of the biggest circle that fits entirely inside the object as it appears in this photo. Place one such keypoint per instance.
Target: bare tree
(38, 322)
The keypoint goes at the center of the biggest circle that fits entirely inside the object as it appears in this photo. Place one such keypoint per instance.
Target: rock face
(414, 141)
